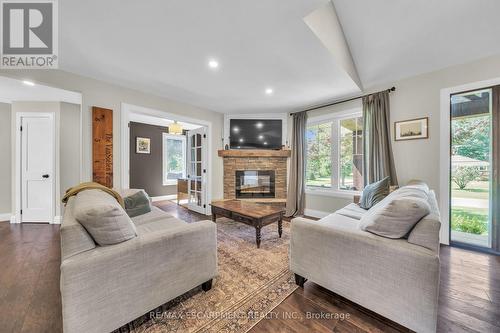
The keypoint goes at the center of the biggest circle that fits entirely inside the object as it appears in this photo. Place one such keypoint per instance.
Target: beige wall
(417, 97)
(99, 93)
(69, 146)
(5, 165)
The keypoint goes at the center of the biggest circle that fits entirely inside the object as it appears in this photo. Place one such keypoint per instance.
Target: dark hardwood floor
(30, 300)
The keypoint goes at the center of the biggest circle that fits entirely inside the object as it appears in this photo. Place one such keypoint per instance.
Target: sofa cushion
(396, 218)
(353, 211)
(166, 223)
(131, 191)
(103, 217)
(154, 215)
(137, 204)
(374, 193)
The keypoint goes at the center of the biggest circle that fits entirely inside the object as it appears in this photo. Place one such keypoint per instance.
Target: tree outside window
(335, 154)
(174, 158)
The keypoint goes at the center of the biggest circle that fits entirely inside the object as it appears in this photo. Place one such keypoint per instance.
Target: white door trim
(127, 110)
(16, 216)
(444, 149)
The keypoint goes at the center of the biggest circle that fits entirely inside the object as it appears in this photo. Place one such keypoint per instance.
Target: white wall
(5, 166)
(416, 97)
(102, 94)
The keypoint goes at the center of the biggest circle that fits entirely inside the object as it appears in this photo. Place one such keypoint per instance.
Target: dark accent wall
(146, 169)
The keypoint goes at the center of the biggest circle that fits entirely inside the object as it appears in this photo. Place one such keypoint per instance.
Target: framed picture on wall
(411, 129)
(142, 145)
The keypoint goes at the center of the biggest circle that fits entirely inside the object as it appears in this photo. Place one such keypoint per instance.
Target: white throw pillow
(396, 218)
(103, 217)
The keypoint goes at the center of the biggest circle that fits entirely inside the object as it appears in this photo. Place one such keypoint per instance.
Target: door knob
(45, 176)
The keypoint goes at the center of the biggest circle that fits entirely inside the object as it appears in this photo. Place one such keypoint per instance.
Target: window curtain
(296, 197)
(378, 159)
(495, 185)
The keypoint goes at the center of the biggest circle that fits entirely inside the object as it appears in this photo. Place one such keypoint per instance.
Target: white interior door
(37, 168)
(197, 170)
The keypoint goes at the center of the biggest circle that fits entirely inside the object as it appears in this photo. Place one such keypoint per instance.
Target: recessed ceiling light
(241, 140)
(261, 137)
(259, 125)
(213, 64)
(265, 142)
(269, 91)
(29, 83)
(236, 129)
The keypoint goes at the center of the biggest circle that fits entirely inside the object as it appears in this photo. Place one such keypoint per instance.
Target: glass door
(197, 170)
(471, 168)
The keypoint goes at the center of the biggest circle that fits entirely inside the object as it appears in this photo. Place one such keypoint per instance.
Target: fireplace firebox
(255, 184)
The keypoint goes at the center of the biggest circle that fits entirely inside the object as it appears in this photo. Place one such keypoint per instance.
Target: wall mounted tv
(255, 133)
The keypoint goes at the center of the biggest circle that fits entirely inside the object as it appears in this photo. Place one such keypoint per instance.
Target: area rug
(250, 283)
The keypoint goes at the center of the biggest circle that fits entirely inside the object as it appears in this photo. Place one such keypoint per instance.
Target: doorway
(182, 152)
(471, 168)
(37, 163)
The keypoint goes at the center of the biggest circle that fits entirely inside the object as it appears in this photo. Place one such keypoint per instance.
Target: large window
(335, 153)
(174, 158)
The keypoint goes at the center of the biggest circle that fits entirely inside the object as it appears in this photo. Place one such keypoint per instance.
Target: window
(335, 153)
(319, 155)
(351, 154)
(174, 158)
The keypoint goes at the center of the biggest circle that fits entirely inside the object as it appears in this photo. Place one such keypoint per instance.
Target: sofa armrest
(378, 273)
(109, 286)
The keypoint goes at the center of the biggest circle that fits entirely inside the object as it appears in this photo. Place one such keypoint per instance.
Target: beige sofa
(105, 287)
(396, 278)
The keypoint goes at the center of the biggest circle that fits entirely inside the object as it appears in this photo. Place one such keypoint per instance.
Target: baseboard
(13, 219)
(57, 219)
(164, 197)
(5, 217)
(315, 213)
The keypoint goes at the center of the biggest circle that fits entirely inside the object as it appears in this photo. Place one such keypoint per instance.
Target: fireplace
(255, 184)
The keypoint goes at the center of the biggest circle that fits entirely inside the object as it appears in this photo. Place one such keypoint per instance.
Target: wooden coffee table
(253, 214)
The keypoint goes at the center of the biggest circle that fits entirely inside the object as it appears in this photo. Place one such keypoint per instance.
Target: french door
(473, 169)
(197, 170)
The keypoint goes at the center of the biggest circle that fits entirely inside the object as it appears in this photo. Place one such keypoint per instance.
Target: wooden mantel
(254, 153)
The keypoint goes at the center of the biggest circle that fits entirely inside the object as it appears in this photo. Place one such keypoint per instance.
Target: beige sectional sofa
(105, 287)
(396, 278)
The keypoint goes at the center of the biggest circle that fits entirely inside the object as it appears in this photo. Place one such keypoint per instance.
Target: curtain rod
(343, 101)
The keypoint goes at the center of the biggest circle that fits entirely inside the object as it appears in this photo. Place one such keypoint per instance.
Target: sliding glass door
(471, 168)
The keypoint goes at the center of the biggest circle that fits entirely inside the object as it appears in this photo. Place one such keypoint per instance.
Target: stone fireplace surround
(255, 159)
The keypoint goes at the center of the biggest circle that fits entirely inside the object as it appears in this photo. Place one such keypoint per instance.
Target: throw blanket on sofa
(91, 186)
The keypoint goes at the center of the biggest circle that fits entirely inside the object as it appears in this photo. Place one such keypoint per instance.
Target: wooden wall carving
(102, 146)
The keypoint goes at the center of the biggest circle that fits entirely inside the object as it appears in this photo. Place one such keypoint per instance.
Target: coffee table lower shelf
(256, 220)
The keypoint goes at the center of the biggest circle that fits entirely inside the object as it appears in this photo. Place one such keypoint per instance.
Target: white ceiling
(163, 47)
(394, 39)
(12, 90)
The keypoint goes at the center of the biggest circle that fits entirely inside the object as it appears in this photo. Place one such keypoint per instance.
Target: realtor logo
(29, 34)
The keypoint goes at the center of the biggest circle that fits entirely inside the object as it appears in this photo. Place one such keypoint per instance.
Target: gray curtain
(495, 186)
(378, 159)
(296, 197)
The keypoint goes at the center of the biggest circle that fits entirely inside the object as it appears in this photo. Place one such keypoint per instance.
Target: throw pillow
(374, 193)
(396, 218)
(103, 217)
(137, 204)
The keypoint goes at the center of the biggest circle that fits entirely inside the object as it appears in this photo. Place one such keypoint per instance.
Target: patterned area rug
(251, 282)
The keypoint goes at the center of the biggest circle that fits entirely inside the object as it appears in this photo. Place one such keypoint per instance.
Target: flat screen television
(255, 133)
